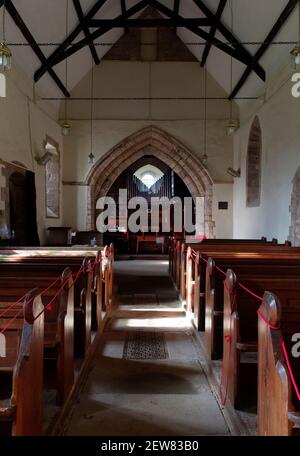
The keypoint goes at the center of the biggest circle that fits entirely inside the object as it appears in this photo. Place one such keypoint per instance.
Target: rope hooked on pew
(193, 255)
(272, 327)
(48, 307)
(223, 398)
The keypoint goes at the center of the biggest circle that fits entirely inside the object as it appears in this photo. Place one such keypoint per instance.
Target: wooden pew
(278, 406)
(184, 267)
(58, 324)
(48, 269)
(21, 370)
(214, 294)
(173, 241)
(240, 328)
(195, 277)
(71, 257)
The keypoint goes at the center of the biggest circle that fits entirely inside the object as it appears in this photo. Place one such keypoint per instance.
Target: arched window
(52, 168)
(253, 180)
(295, 211)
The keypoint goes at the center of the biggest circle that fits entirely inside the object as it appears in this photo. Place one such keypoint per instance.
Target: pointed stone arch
(150, 141)
(294, 236)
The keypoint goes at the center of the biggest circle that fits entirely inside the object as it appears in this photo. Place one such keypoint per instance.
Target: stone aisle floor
(146, 397)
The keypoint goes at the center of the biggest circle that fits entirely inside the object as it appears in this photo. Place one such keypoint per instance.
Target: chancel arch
(146, 142)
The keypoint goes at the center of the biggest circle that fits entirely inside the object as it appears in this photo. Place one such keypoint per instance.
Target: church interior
(179, 320)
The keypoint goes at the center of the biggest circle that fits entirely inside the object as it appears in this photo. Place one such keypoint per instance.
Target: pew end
(278, 410)
(22, 413)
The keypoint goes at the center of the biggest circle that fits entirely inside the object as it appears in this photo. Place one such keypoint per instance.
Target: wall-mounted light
(234, 172)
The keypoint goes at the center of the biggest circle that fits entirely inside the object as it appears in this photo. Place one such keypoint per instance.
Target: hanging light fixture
(5, 53)
(232, 124)
(295, 53)
(66, 127)
(91, 156)
(204, 156)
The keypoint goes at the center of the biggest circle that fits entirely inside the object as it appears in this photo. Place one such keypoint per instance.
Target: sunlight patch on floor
(157, 323)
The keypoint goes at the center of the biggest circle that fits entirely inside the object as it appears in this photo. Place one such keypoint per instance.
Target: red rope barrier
(90, 268)
(275, 328)
(221, 270)
(250, 292)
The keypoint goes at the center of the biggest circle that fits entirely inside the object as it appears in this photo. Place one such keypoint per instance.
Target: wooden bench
(21, 369)
(72, 257)
(278, 406)
(44, 271)
(176, 246)
(240, 328)
(214, 294)
(59, 324)
(184, 269)
(194, 274)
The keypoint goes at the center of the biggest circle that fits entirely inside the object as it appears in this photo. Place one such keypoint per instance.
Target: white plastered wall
(24, 126)
(116, 120)
(279, 118)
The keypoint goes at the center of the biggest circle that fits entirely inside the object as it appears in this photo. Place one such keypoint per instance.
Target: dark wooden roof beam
(97, 33)
(176, 10)
(123, 10)
(170, 22)
(86, 30)
(238, 55)
(212, 33)
(263, 48)
(229, 36)
(33, 44)
(66, 43)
